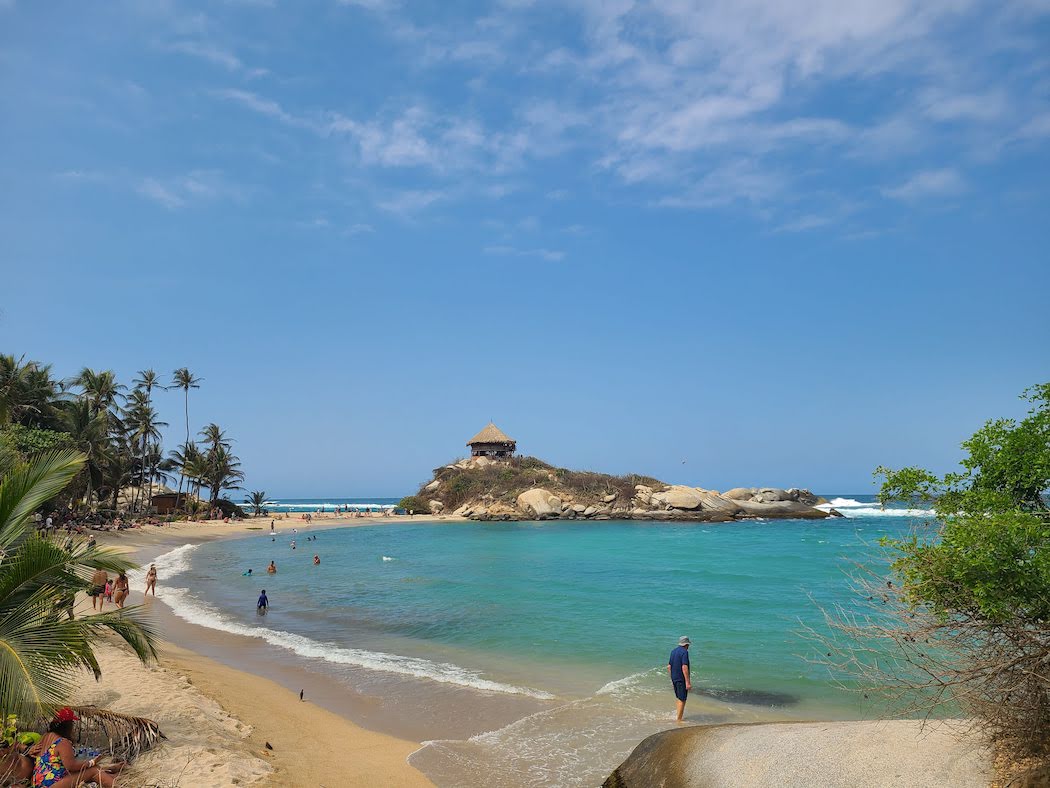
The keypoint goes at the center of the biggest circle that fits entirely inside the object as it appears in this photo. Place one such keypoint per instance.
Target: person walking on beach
(678, 669)
(98, 589)
(151, 580)
(263, 603)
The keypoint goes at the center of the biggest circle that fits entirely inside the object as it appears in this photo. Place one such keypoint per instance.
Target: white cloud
(928, 183)
(214, 54)
(551, 255)
(193, 186)
(153, 189)
(410, 202)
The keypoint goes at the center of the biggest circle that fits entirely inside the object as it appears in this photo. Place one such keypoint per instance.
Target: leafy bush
(968, 622)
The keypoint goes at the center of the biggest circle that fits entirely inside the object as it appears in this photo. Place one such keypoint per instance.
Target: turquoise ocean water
(574, 620)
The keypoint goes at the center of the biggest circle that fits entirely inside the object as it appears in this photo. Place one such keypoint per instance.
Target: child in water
(263, 603)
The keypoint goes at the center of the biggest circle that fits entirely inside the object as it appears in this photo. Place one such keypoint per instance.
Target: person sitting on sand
(272, 568)
(317, 560)
(678, 669)
(121, 589)
(56, 763)
(151, 580)
(98, 589)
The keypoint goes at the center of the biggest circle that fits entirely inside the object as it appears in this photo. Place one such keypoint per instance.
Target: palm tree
(183, 379)
(28, 394)
(101, 388)
(90, 435)
(42, 650)
(224, 472)
(256, 499)
(146, 380)
(215, 437)
(195, 466)
(145, 427)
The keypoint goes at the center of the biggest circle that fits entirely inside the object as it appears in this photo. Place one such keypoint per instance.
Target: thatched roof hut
(492, 442)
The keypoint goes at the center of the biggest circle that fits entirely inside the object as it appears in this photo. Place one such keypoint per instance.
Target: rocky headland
(525, 488)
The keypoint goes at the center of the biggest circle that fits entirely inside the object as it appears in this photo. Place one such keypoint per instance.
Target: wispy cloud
(216, 55)
(410, 202)
(194, 186)
(928, 183)
(552, 255)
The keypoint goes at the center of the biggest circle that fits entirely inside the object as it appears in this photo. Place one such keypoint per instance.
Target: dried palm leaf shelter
(492, 442)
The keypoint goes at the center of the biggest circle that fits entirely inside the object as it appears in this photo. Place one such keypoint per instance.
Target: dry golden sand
(218, 719)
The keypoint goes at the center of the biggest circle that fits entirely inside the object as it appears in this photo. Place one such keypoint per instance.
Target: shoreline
(197, 698)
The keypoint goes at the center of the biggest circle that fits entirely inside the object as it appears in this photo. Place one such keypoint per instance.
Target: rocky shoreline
(528, 489)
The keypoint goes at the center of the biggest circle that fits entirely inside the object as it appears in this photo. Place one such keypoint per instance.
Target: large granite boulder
(678, 496)
(780, 509)
(874, 754)
(539, 503)
(435, 506)
(739, 493)
(719, 503)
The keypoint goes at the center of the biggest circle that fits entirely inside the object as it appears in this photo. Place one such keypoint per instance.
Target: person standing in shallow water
(263, 603)
(678, 669)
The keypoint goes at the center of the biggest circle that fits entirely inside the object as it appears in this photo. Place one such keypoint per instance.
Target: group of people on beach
(53, 763)
(104, 589)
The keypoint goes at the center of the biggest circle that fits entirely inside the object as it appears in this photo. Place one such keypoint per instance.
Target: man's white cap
(683, 641)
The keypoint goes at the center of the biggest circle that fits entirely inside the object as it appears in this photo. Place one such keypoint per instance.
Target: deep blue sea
(576, 618)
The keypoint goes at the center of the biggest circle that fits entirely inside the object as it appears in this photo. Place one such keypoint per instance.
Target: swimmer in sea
(272, 568)
(317, 560)
(293, 544)
(248, 573)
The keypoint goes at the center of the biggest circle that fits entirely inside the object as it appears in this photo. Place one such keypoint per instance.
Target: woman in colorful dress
(56, 763)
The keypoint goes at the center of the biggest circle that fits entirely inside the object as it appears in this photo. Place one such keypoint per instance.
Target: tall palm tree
(215, 437)
(101, 388)
(183, 379)
(90, 435)
(146, 380)
(145, 426)
(42, 651)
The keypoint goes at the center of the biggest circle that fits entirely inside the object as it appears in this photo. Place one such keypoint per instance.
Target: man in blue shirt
(678, 668)
(263, 603)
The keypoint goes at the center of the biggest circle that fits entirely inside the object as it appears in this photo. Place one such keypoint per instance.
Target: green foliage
(505, 480)
(413, 503)
(987, 574)
(256, 500)
(42, 648)
(28, 441)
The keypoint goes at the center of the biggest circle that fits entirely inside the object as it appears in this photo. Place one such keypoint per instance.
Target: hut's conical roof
(491, 434)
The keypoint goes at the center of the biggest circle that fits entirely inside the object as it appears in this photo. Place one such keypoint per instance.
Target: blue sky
(721, 243)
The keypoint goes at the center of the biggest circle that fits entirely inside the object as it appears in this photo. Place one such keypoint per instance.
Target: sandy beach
(218, 720)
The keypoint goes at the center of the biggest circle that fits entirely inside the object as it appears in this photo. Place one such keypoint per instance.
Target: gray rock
(579, 508)
(590, 511)
(781, 509)
(435, 506)
(609, 498)
(874, 754)
(678, 496)
(739, 493)
(539, 502)
(433, 485)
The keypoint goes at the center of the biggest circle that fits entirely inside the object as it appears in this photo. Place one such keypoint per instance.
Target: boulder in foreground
(875, 754)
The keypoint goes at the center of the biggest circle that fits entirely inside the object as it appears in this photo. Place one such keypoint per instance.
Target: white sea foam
(389, 558)
(197, 611)
(169, 565)
(850, 507)
(628, 685)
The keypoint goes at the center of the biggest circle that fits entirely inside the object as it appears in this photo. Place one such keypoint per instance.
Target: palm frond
(120, 735)
(26, 488)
